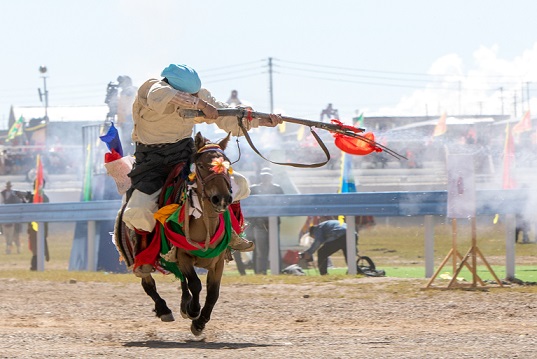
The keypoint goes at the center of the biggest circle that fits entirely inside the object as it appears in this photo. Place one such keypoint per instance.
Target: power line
(392, 72)
(230, 66)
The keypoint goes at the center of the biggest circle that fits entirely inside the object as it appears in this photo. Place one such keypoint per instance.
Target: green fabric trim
(169, 266)
(174, 224)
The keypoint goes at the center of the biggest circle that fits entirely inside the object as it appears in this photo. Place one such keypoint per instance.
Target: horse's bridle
(202, 181)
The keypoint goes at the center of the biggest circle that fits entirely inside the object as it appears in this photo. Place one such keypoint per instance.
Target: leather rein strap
(293, 164)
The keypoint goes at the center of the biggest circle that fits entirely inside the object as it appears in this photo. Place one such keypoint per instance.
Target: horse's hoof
(196, 331)
(185, 315)
(167, 317)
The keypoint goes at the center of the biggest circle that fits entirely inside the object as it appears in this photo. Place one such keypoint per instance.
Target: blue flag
(112, 140)
(347, 184)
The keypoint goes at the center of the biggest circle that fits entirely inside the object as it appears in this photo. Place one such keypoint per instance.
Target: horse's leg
(214, 277)
(161, 309)
(190, 298)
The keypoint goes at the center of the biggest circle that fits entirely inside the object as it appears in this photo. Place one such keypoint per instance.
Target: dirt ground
(349, 318)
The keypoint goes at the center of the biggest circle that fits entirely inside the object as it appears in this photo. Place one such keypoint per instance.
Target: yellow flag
(441, 126)
(300, 133)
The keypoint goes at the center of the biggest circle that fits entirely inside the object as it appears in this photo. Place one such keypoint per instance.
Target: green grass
(397, 250)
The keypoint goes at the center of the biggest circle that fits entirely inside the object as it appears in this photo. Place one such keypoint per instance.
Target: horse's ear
(199, 141)
(224, 142)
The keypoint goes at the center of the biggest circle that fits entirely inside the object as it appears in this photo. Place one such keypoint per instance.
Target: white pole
(40, 246)
(429, 246)
(351, 245)
(510, 227)
(91, 265)
(274, 246)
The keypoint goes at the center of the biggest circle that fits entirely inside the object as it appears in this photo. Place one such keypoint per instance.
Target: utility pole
(43, 70)
(271, 91)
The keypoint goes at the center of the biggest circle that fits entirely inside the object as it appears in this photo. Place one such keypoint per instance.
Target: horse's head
(213, 171)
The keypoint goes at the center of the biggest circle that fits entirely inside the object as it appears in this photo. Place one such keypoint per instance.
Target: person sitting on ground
(163, 138)
(329, 237)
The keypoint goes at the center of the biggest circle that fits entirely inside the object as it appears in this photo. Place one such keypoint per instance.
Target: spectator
(124, 112)
(260, 224)
(33, 229)
(11, 230)
(329, 237)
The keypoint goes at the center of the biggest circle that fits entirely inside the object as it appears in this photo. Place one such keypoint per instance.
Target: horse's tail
(123, 239)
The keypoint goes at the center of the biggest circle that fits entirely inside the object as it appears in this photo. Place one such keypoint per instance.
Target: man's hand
(210, 111)
(273, 120)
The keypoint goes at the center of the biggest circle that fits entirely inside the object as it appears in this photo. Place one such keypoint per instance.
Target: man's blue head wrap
(182, 78)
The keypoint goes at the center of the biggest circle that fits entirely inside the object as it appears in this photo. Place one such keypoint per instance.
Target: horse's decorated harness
(220, 168)
(173, 227)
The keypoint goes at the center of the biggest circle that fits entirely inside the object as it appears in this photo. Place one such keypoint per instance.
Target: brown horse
(196, 233)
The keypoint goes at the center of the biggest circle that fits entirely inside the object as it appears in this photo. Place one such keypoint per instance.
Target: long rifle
(335, 126)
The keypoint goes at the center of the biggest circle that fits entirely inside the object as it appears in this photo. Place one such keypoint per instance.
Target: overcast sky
(376, 57)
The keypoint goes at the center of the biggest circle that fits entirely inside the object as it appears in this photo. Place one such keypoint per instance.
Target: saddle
(131, 244)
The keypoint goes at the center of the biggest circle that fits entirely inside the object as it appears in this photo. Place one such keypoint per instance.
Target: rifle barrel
(239, 112)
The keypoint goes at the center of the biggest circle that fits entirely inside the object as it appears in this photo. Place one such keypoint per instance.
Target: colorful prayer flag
(39, 180)
(524, 124)
(15, 129)
(359, 121)
(300, 133)
(112, 140)
(441, 126)
(87, 176)
(346, 181)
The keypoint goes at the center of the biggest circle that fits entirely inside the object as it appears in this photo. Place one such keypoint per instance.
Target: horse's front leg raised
(190, 297)
(214, 277)
(161, 308)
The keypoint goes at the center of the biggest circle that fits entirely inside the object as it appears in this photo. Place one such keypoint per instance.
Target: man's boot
(240, 244)
(142, 241)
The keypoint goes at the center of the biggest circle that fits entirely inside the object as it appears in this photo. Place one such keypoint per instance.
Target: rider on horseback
(163, 139)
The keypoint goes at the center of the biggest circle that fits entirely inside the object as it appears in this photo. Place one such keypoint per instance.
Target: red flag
(524, 124)
(38, 189)
(441, 126)
(508, 159)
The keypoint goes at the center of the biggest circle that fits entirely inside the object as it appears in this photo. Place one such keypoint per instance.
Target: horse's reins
(293, 164)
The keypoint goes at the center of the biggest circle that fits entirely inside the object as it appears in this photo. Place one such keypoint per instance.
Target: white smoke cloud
(487, 85)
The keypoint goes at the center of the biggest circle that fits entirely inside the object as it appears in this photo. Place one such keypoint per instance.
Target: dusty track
(359, 317)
